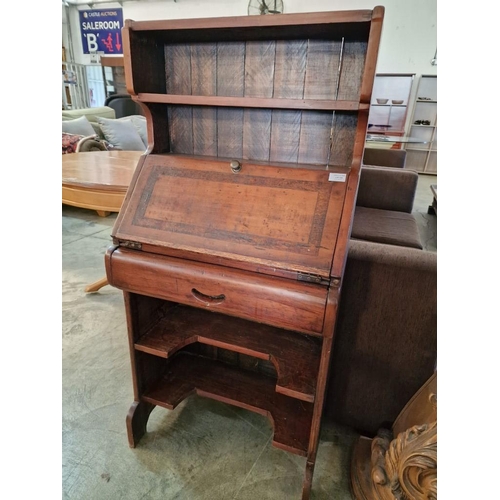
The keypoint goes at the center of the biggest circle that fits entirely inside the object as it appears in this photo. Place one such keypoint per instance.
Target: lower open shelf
(295, 355)
(187, 374)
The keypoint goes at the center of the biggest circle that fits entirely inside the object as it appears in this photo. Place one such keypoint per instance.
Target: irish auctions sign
(101, 31)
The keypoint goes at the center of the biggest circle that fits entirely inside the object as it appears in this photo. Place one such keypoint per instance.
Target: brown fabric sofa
(385, 339)
(394, 158)
(384, 205)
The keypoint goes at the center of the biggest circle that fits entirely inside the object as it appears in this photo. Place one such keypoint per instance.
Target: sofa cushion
(140, 123)
(385, 226)
(387, 188)
(395, 158)
(121, 133)
(90, 113)
(79, 126)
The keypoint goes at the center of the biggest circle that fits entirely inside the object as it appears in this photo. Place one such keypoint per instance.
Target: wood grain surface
(187, 374)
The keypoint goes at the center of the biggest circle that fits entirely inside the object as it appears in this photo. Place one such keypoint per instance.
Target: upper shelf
(252, 102)
(286, 26)
(391, 105)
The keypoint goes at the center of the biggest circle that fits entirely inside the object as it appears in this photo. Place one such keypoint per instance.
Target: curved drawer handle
(208, 299)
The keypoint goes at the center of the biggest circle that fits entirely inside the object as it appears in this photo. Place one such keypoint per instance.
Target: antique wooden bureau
(231, 242)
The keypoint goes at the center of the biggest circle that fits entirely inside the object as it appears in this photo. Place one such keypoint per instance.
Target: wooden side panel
(352, 66)
(148, 70)
(230, 82)
(158, 127)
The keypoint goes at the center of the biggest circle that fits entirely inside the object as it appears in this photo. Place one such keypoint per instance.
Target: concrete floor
(203, 449)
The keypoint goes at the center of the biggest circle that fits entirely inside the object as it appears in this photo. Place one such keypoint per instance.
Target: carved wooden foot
(137, 420)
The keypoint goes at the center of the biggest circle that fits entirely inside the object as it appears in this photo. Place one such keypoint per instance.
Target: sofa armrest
(387, 189)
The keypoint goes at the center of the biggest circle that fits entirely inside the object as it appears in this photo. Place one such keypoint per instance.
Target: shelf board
(413, 148)
(424, 100)
(295, 356)
(252, 102)
(187, 374)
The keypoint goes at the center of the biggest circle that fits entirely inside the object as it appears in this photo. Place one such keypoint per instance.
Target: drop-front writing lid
(247, 213)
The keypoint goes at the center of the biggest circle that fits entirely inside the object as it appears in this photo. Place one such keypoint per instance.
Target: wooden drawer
(275, 301)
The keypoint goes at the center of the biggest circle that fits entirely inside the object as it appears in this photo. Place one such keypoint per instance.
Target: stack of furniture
(231, 243)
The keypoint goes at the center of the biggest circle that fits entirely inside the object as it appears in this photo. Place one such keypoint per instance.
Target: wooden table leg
(102, 213)
(94, 287)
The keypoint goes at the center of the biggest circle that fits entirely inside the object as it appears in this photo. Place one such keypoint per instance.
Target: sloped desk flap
(273, 216)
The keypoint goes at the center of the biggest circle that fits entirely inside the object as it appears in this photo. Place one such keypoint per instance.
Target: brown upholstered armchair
(395, 158)
(384, 207)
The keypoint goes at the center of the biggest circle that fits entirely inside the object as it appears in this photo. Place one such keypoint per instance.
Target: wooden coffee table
(97, 180)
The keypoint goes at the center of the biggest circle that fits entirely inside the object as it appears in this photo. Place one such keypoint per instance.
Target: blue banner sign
(101, 31)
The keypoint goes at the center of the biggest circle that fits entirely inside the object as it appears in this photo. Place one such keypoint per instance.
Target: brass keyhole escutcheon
(235, 166)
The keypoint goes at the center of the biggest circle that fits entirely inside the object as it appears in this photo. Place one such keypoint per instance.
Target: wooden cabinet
(231, 242)
(422, 157)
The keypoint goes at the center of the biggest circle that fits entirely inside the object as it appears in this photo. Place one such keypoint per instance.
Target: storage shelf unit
(231, 243)
(423, 157)
(389, 119)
